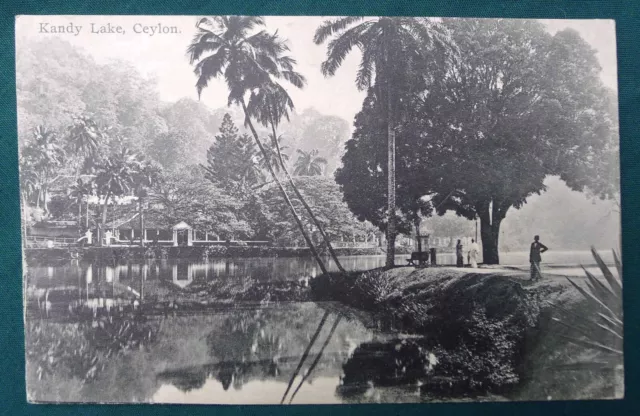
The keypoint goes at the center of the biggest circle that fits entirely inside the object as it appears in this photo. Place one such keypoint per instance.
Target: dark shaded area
(398, 362)
(477, 326)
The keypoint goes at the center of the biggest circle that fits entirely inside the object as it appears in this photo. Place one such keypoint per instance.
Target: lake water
(246, 353)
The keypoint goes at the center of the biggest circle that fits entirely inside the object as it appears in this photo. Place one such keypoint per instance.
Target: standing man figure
(537, 248)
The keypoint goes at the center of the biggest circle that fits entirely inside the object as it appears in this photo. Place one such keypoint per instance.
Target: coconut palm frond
(339, 48)
(330, 27)
(209, 68)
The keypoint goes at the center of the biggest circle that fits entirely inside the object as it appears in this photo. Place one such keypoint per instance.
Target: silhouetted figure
(537, 248)
(459, 255)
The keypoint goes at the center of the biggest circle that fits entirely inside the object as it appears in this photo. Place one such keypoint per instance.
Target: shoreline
(106, 254)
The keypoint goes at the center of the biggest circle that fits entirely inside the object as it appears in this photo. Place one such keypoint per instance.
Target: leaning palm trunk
(305, 354)
(324, 235)
(282, 190)
(318, 357)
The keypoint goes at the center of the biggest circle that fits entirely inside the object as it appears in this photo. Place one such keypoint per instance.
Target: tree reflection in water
(265, 344)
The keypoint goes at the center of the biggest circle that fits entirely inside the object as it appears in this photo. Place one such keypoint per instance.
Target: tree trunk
(391, 184)
(418, 236)
(79, 213)
(324, 235)
(282, 190)
(45, 206)
(490, 233)
(101, 230)
(141, 223)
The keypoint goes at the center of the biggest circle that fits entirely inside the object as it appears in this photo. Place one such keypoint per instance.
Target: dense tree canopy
(517, 106)
(325, 199)
(187, 196)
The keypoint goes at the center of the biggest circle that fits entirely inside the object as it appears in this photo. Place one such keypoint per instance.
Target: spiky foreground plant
(601, 329)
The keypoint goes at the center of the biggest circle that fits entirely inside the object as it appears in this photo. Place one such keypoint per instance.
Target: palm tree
(269, 104)
(84, 138)
(386, 43)
(246, 59)
(274, 153)
(115, 177)
(78, 192)
(309, 163)
(42, 157)
(147, 175)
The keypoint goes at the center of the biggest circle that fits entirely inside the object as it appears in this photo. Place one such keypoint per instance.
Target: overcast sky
(163, 56)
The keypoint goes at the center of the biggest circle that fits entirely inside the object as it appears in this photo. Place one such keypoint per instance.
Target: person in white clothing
(107, 238)
(474, 250)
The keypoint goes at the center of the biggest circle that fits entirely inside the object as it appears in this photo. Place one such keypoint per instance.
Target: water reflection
(184, 271)
(294, 354)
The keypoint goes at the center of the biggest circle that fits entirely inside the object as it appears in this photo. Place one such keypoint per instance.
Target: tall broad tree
(518, 106)
(389, 46)
(232, 48)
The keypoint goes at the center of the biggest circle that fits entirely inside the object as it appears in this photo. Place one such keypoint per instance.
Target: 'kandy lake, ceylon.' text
(108, 28)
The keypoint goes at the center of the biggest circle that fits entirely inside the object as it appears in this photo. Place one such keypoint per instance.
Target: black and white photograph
(319, 209)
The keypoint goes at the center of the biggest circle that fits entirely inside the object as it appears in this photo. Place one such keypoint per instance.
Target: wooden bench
(422, 257)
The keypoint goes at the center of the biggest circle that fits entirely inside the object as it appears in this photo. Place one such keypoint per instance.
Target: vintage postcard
(289, 210)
